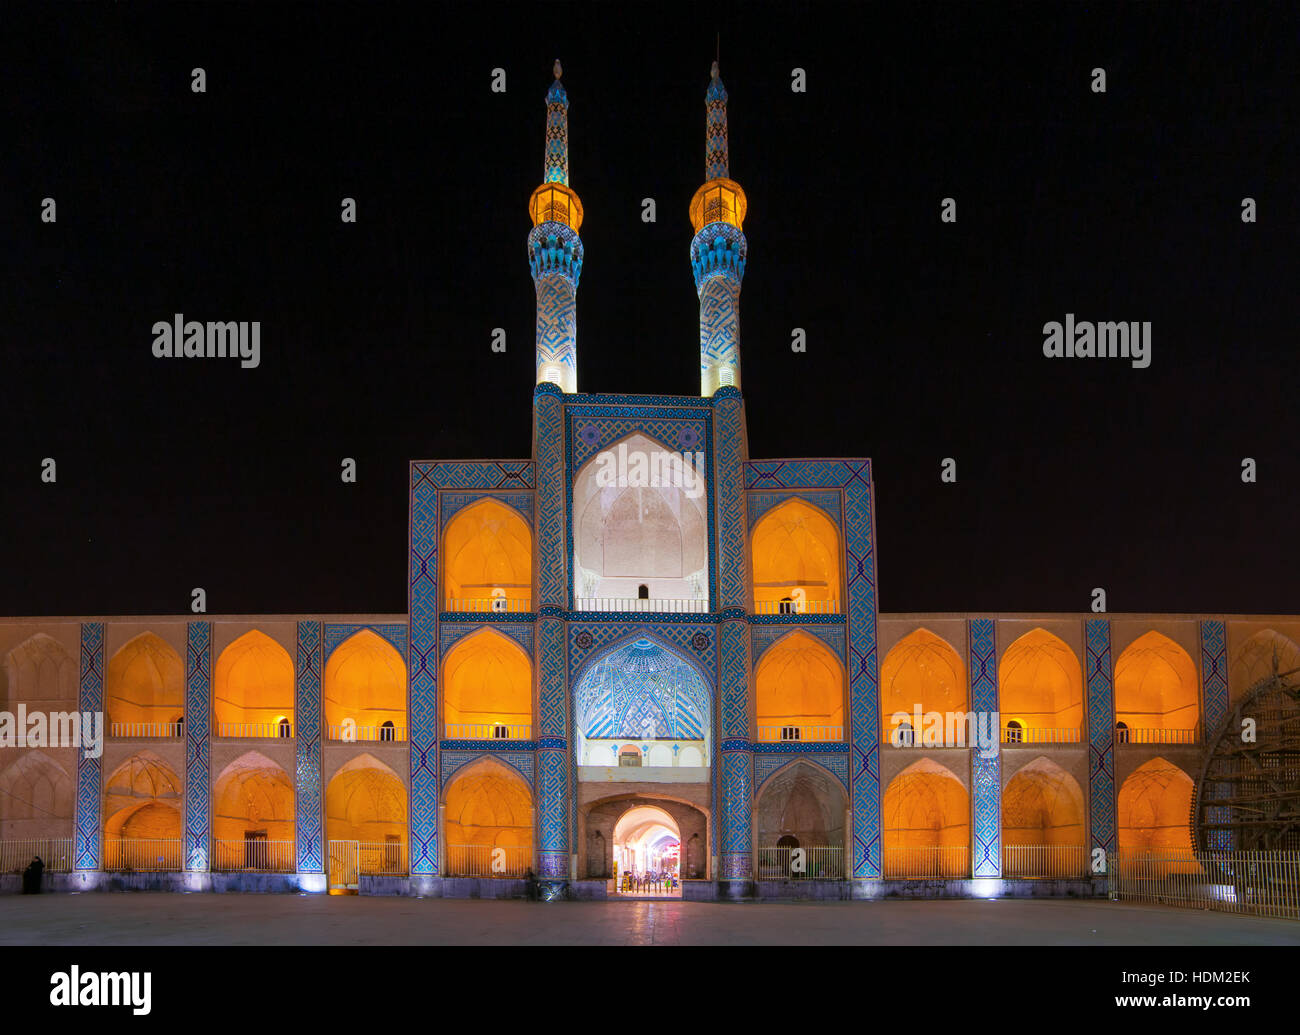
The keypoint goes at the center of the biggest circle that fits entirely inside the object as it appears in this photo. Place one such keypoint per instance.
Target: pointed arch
(366, 802)
(1044, 831)
(253, 816)
(799, 686)
(487, 805)
(39, 671)
(801, 805)
(36, 798)
(487, 554)
(1157, 691)
(144, 687)
(1154, 818)
(925, 815)
(142, 815)
(365, 681)
(1254, 660)
(796, 546)
(253, 687)
(921, 672)
(1040, 687)
(487, 684)
(640, 519)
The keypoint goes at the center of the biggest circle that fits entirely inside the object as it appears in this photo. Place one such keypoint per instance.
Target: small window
(906, 735)
(791, 733)
(787, 841)
(388, 731)
(1015, 732)
(1121, 733)
(629, 756)
(786, 606)
(643, 592)
(180, 725)
(500, 732)
(285, 729)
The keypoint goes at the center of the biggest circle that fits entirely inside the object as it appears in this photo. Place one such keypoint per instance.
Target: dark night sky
(925, 340)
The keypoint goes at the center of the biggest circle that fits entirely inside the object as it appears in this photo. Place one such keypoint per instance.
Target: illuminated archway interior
(640, 520)
(38, 672)
(488, 806)
(926, 823)
(145, 684)
(1040, 686)
(142, 815)
(488, 688)
(799, 687)
(1043, 828)
(802, 802)
(921, 673)
(1156, 687)
(1155, 805)
(365, 681)
(647, 840)
(253, 687)
(366, 802)
(1255, 658)
(253, 815)
(646, 694)
(487, 556)
(796, 556)
(36, 798)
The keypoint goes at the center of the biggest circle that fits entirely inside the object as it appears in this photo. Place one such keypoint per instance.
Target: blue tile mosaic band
(198, 712)
(1101, 740)
(90, 698)
(307, 712)
(986, 775)
(1214, 676)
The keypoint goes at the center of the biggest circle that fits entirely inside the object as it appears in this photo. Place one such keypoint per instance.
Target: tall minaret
(555, 250)
(718, 250)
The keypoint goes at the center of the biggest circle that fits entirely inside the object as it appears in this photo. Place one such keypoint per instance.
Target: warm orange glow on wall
(719, 201)
(921, 669)
(796, 546)
(36, 798)
(1040, 683)
(145, 682)
(365, 802)
(1156, 686)
(142, 799)
(1042, 805)
(554, 202)
(1155, 805)
(1255, 659)
(488, 804)
(487, 546)
(801, 801)
(487, 678)
(925, 810)
(799, 682)
(253, 793)
(253, 681)
(365, 680)
(39, 673)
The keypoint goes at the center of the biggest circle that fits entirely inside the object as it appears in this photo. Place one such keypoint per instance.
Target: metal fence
(147, 729)
(488, 731)
(488, 860)
(54, 852)
(369, 734)
(930, 862)
(479, 605)
(253, 855)
(139, 853)
(1045, 861)
(670, 606)
(1249, 883)
(256, 730)
(811, 862)
(381, 857)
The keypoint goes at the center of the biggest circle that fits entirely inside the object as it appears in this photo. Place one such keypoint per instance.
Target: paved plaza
(172, 919)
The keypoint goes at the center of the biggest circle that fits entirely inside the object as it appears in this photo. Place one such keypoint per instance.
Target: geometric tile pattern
(736, 861)
(643, 690)
(550, 556)
(198, 709)
(762, 637)
(337, 633)
(716, 161)
(767, 764)
(455, 758)
(519, 501)
(311, 849)
(422, 671)
(759, 503)
(90, 698)
(731, 560)
(986, 777)
(1101, 725)
(719, 295)
(854, 478)
(555, 169)
(733, 689)
(552, 792)
(589, 642)
(449, 633)
(1214, 675)
(557, 304)
(735, 762)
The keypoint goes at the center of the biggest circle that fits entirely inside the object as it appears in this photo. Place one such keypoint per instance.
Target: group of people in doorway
(664, 880)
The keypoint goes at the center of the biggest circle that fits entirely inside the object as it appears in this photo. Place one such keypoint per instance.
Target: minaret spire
(555, 249)
(719, 249)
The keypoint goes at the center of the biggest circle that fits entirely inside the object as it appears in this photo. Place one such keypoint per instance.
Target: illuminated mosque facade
(640, 649)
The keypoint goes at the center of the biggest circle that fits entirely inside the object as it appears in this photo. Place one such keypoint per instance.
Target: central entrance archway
(647, 853)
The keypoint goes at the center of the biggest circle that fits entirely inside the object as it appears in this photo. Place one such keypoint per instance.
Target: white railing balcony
(622, 604)
(147, 729)
(381, 858)
(348, 734)
(796, 733)
(253, 855)
(488, 731)
(488, 860)
(927, 862)
(814, 862)
(796, 607)
(255, 730)
(1045, 861)
(1138, 735)
(489, 605)
(1039, 735)
(54, 852)
(140, 853)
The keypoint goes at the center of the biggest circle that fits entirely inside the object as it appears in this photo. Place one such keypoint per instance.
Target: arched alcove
(921, 674)
(365, 801)
(37, 798)
(1040, 689)
(142, 815)
(640, 519)
(799, 691)
(795, 549)
(801, 806)
(1043, 826)
(253, 688)
(40, 674)
(365, 682)
(253, 817)
(925, 816)
(1255, 660)
(487, 688)
(144, 689)
(487, 560)
(1157, 692)
(1154, 819)
(488, 820)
